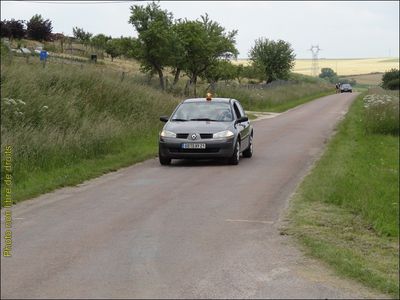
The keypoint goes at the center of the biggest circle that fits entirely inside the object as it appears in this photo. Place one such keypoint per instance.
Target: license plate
(194, 146)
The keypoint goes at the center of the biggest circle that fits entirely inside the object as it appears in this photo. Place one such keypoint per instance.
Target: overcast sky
(342, 29)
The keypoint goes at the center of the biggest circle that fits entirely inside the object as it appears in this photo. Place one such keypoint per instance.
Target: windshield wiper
(203, 119)
(183, 120)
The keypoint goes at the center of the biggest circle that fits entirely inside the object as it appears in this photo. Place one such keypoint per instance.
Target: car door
(243, 127)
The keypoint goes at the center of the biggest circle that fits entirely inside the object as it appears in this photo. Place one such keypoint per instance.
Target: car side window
(237, 111)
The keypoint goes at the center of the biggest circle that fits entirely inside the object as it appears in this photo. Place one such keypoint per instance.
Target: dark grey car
(201, 128)
(346, 88)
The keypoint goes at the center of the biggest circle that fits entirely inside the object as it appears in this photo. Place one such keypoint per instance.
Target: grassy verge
(276, 99)
(296, 102)
(39, 182)
(68, 123)
(346, 211)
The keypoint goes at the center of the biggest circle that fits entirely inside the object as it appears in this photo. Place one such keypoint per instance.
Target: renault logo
(194, 136)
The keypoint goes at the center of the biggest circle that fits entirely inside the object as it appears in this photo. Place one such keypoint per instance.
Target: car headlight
(223, 134)
(167, 134)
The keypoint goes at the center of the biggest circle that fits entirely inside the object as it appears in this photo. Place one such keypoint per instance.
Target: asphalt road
(191, 230)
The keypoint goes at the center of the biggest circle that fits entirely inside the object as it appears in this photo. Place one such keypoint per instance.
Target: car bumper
(172, 148)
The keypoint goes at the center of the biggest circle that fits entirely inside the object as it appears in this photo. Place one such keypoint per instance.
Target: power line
(314, 66)
(75, 2)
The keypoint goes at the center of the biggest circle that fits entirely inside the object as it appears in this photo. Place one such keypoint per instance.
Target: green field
(346, 212)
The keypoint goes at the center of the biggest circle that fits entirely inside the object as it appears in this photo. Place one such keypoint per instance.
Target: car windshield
(203, 111)
(346, 85)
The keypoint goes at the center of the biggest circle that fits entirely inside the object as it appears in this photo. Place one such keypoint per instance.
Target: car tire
(249, 151)
(164, 161)
(234, 160)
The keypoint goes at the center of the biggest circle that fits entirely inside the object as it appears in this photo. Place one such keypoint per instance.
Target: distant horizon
(338, 58)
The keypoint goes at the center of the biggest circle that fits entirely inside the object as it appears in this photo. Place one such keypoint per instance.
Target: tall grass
(275, 99)
(381, 110)
(59, 116)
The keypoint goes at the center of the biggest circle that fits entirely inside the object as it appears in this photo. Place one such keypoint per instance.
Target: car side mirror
(242, 119)
(164, 119)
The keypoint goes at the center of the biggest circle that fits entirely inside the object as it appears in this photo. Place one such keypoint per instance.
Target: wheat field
(343, 66)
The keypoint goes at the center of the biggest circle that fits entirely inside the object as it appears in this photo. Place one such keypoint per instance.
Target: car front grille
(202, 135)
(182, 135)
(206, 135)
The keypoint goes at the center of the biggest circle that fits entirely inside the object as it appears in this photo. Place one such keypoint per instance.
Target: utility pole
(314, 65)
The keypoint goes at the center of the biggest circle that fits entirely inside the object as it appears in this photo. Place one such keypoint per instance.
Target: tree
(39, 29)
(251, 72)
(276, 59)
(128, 47)
(4, 30)
(154, 28)
(330, 75)
(81, 35)
(327, 73)
(205, 42)
(113, 48)
(239, 72)
(13, 29)
(391, 79)
(177, 57)
(98, 41)
(220, 70)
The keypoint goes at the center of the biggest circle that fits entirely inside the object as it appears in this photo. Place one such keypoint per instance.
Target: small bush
(393, 84)
(390, 79)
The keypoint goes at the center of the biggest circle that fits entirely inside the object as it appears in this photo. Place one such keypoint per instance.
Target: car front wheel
(165, 161)
(234, 160)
